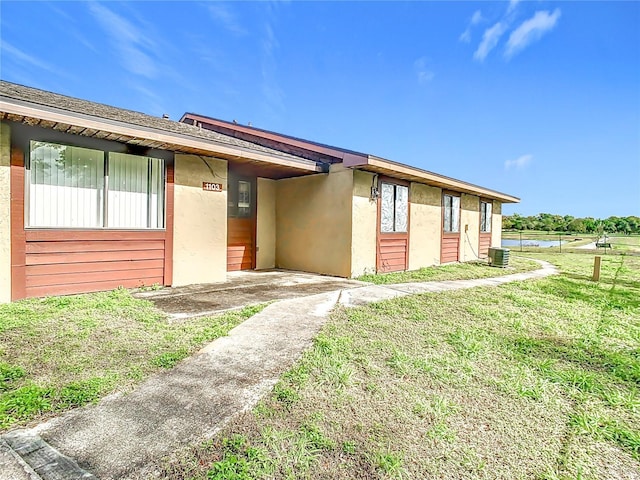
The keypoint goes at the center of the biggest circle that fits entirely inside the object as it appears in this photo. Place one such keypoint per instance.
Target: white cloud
(134, 48)
(476, 18)
(531, 30)
(22, 58)
(512, 5)
(489, 41)
(424, 73)
(223, 15)
(519, 163)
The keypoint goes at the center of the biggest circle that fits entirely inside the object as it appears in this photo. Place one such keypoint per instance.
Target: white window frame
(451, 223)
(153, 213)
(399, 225)
(486, 212)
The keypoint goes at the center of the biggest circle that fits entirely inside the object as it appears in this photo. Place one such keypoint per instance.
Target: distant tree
(577, 225)
(568, 223)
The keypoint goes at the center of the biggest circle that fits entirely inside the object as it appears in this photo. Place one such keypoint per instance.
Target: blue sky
(537, 99)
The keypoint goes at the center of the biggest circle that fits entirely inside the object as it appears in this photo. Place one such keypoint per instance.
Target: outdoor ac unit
(498, 257)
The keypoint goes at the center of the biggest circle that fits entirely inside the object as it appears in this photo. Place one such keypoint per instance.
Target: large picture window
(74, 187)
(485, 217)
(451, 206)
(394, 207)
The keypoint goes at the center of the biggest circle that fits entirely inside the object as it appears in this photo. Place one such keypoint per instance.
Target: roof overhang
(412, 174)
(45, 116)
(337, 153)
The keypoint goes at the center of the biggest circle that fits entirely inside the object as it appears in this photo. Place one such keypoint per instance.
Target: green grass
(529, 380)
(58, 353)
(457, 271)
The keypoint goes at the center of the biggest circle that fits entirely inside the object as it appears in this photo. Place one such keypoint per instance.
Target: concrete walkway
(125, 435)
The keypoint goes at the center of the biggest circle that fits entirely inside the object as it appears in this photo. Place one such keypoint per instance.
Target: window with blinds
(394, 206)
(74, 187)
(485, 217)
(451, 206)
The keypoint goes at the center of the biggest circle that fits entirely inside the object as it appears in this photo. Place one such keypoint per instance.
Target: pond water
(528, 242)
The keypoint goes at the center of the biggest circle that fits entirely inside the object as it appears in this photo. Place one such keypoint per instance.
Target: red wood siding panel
(485, 243)
(450, 248)
(392, 252)
(17, 224)
(168, 241)
(240, 244)
(61, 262)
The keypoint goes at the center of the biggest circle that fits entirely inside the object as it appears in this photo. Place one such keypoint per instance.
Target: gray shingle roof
(99, 110)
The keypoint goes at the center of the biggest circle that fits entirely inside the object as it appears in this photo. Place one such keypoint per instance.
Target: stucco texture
(5, 213)
(266, 224)
(425, 227)
(496, 224)
(313, 222)
(364, 218)
(200, 221)
(469, 227)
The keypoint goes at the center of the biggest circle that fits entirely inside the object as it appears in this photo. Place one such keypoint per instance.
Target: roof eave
(406, 172)
(52, 114)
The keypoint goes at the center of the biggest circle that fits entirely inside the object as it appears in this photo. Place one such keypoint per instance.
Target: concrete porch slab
(241, 289)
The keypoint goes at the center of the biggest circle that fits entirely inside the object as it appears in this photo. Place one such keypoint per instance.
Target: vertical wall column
(266, 224)
(5, 213)
(469, 227)
(364, 224)
(199, 221)
(426, 226)
(496, 224)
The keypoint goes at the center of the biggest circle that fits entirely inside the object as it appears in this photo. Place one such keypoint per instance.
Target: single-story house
(93, 197)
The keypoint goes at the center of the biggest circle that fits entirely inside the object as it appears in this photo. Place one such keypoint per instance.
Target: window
(451, 207)
(239, 198)
(485, 217)
(394, 208)
(73, 187)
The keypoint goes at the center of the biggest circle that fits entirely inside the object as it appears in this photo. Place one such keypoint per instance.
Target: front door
(241, 223)
(393, 226)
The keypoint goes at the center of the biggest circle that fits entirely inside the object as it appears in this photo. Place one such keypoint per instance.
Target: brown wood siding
(240, 244)
(168, 239)
(450, 248)
(393, 250)
(18, 270)
(485, 243)
(60, 262)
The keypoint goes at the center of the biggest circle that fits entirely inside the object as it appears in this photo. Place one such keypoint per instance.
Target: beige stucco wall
(425, 226)
(313, 222)
(5, 213)
(364, 218)
(200, 221)
(266, 224)
(496, 224)
(469, 227)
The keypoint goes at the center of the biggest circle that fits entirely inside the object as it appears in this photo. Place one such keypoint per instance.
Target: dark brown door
(393, 226)
(241, 223)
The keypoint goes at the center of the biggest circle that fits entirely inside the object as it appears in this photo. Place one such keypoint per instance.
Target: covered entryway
(241, 222)
(392, 251)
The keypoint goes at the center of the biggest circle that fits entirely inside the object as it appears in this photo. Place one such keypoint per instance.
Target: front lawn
(454, 271)
(529, 380)
(62, 352)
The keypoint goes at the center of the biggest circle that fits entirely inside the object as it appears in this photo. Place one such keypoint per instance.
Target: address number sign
(212, 187)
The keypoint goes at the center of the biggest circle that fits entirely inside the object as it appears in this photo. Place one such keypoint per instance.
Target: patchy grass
(529, 380)
(58, 353)
(457, 271)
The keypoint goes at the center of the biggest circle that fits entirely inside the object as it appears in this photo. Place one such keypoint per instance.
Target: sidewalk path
(125, 435)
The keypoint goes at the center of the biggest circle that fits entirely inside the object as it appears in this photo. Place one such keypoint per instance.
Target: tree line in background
(567, 223)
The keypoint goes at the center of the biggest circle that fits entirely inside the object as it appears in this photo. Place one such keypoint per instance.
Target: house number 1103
(212, 187)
